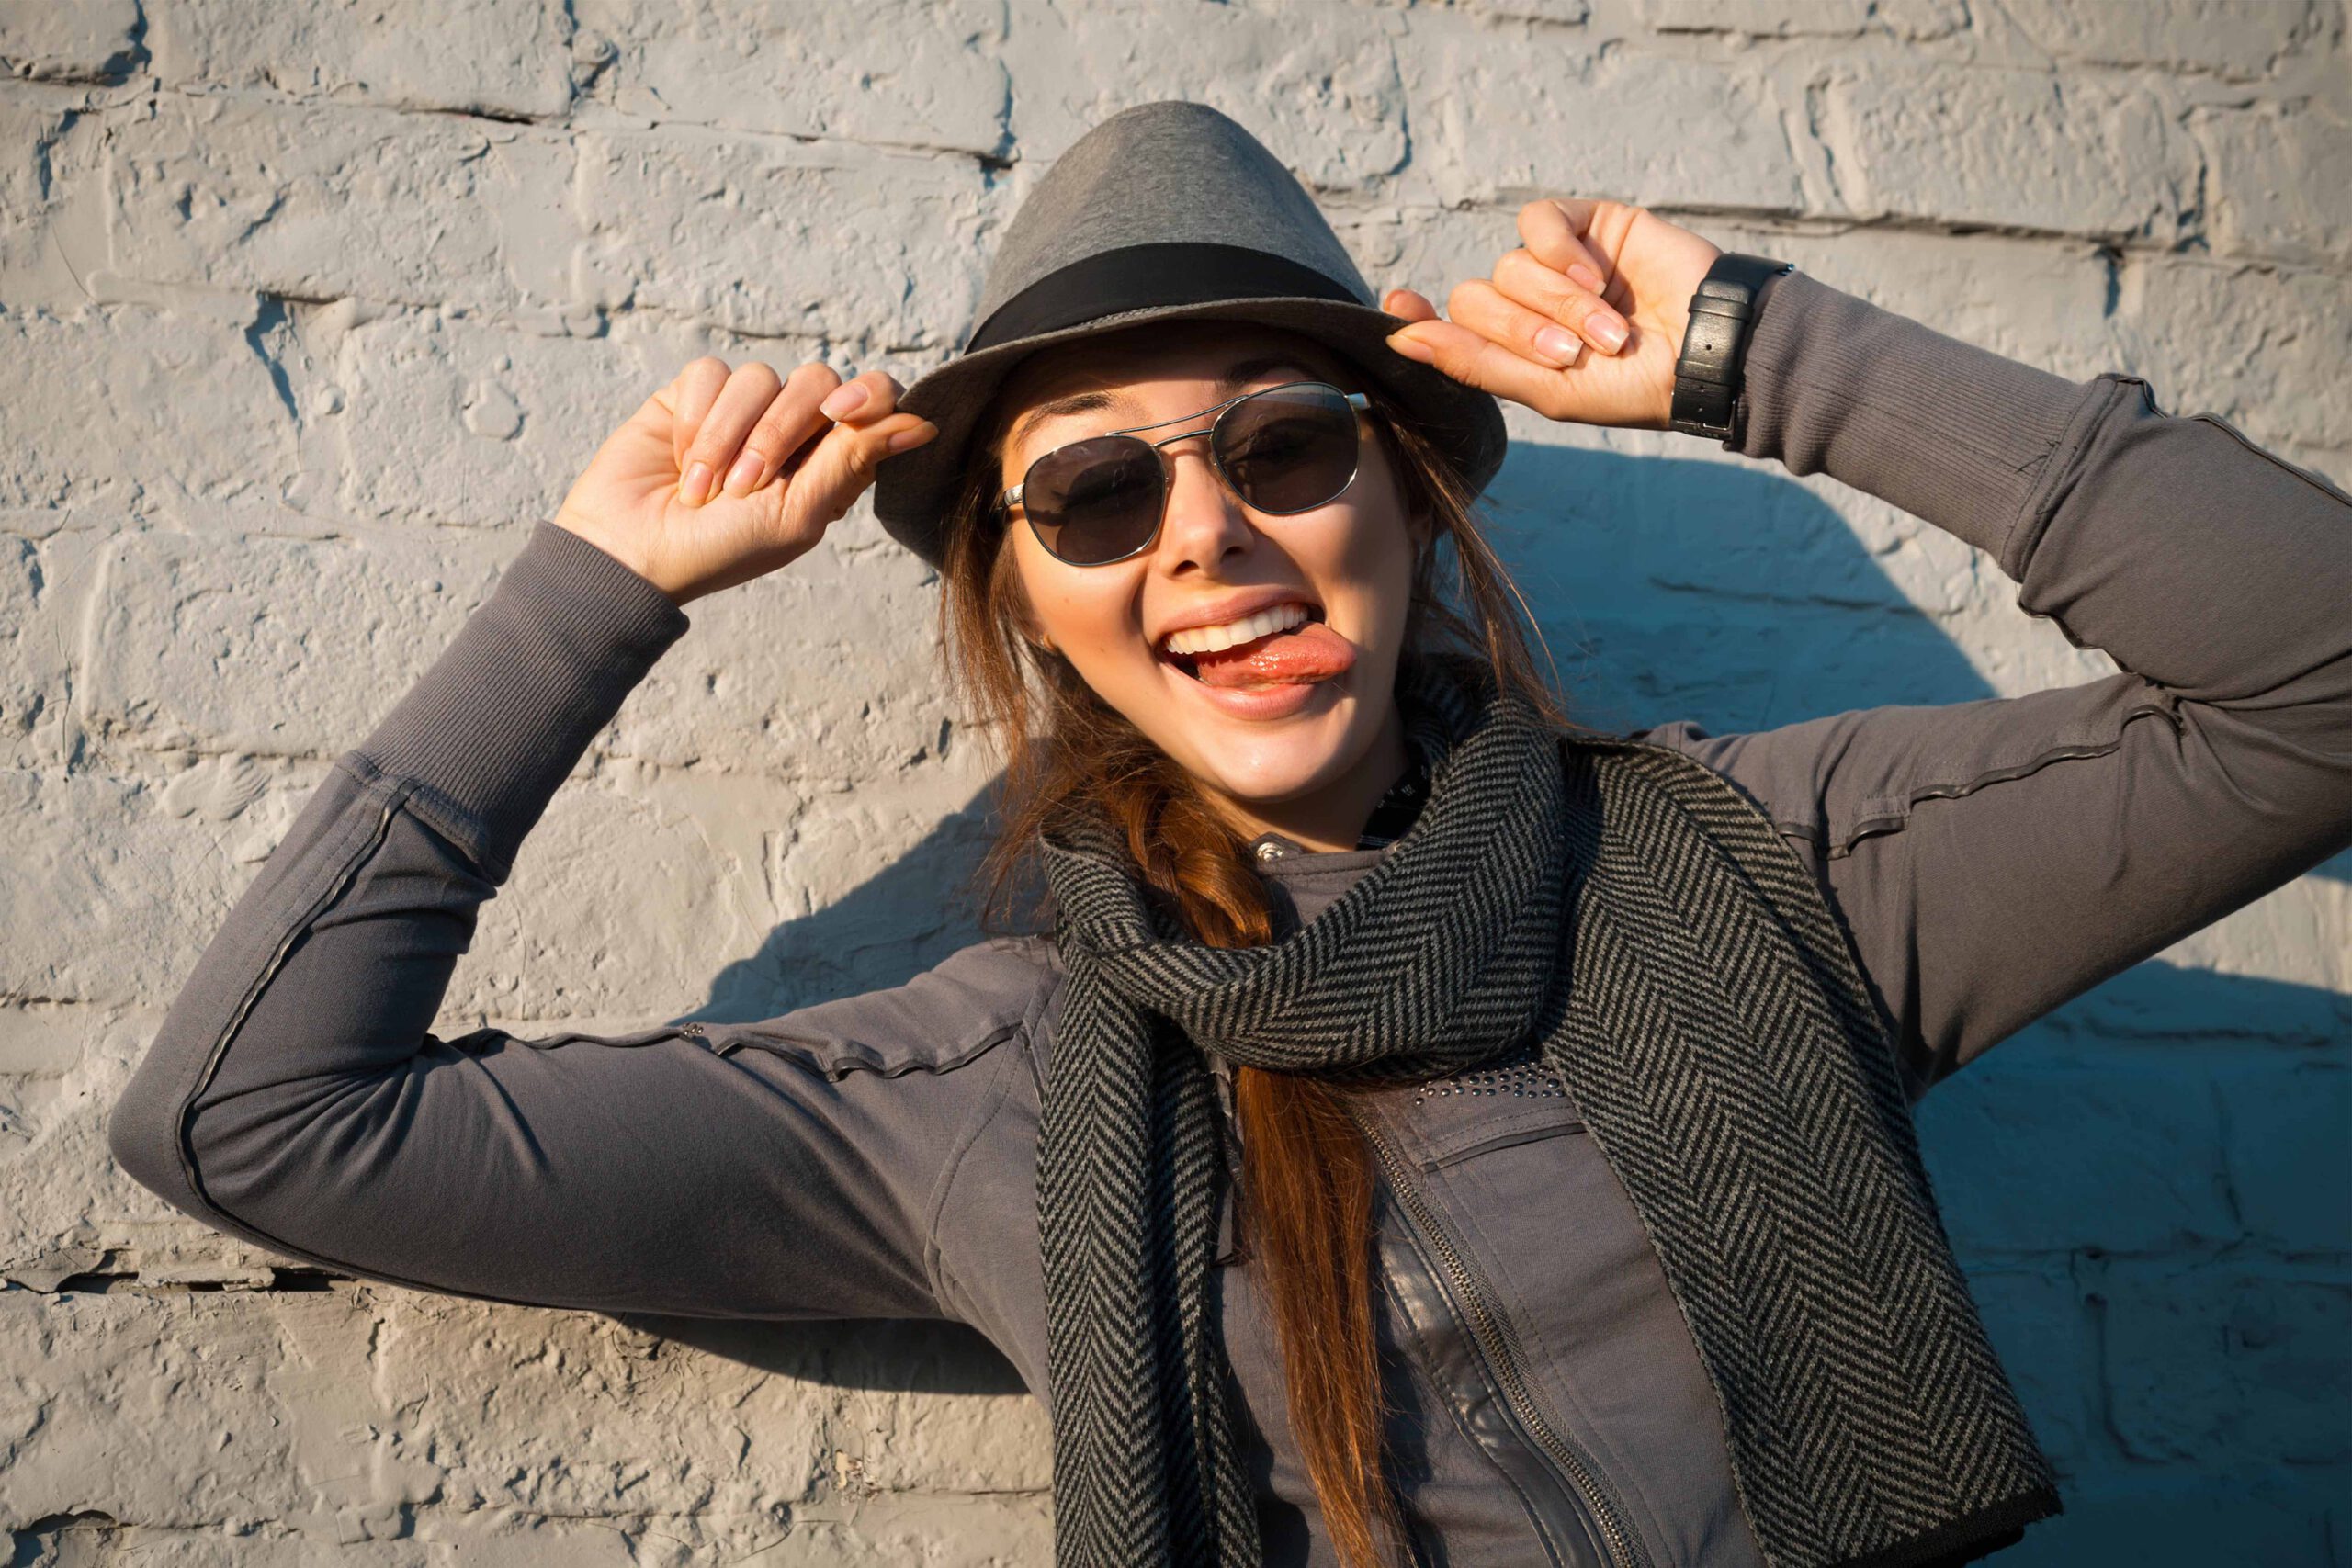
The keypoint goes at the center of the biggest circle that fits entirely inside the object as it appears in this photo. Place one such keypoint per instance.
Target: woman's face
(1306, 757)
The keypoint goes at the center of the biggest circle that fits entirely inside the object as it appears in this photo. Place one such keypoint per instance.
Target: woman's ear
(1025, 623)
(1014, 595)
(1422, 528)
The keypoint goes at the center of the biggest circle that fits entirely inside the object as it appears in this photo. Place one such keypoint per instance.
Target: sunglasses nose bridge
(1205, 452)
(1162, 444)
(1199, 518)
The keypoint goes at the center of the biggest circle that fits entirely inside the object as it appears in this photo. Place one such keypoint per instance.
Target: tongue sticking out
(1309, 652)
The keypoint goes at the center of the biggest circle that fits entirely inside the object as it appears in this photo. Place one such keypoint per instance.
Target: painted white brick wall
(308, 313)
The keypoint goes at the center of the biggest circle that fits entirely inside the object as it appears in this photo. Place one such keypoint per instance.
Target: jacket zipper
(1496, 1343)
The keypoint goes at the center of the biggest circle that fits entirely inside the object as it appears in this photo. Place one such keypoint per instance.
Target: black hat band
(1139, 278)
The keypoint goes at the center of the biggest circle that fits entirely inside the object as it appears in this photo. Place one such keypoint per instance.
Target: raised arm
(1991, 860)
(296, 1096)
(1994, 859)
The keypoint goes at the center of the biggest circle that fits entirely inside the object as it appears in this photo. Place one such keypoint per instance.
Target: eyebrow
(1233, 381)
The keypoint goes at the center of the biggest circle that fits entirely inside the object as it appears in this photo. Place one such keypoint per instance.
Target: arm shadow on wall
(1666, 588)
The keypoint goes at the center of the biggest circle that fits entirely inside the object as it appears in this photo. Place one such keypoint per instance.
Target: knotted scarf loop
(1625, 906)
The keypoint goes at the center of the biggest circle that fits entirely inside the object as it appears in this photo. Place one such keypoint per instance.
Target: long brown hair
(1306, 1187)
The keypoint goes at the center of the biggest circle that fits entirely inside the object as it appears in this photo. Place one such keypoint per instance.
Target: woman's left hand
(1614, 282)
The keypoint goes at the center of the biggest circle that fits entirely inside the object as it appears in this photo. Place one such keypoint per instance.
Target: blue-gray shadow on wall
(1732, 596)
(1670, 588)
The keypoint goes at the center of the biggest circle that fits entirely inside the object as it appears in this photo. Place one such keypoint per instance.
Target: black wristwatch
(1707, 377)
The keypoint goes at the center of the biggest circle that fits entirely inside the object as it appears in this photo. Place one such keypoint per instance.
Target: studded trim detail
(1519, 1073)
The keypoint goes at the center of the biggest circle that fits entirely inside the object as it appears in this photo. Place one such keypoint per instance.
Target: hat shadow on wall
(1667, 589)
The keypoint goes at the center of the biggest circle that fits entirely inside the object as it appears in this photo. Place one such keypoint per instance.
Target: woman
(1422, 1128)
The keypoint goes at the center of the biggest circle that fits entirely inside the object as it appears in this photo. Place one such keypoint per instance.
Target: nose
(1205, 521)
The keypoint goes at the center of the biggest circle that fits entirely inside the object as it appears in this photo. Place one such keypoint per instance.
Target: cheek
(1375, 560)
(1089, 615)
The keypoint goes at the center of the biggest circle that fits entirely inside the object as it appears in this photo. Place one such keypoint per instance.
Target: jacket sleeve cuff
(490, 730)
(1947, 431)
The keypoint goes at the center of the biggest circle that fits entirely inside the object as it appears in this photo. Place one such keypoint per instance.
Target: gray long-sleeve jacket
(873, 1156)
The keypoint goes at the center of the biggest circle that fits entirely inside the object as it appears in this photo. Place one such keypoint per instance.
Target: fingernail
(1558, 345)
(846, 400)
(743, 475)
(915, 435)
(1584, 276)
(1412, 349)
(694, 489)
(1605, 330)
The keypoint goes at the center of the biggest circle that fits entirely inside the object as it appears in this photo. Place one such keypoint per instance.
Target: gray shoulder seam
(1889, 815)
(1683, 735)
(983, 1117)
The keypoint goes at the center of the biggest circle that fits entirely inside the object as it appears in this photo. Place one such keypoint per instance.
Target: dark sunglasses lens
(1094, 501)
(1291, 448)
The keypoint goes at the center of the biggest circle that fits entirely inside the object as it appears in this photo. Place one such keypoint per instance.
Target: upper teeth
(1208, 639)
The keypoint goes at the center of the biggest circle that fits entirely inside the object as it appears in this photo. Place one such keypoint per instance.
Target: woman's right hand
(724, 476)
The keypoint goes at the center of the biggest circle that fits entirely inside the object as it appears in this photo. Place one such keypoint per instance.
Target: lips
(1300, 655)
(1231, 608)
(1190, 663)
(1210, 636)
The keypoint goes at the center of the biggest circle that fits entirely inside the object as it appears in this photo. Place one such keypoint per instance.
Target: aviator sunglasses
(1281, 449)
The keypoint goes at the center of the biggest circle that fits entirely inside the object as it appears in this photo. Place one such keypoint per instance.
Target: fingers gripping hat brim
(1166, 211)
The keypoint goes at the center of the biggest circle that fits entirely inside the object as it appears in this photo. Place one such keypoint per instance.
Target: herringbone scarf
(1686, 979)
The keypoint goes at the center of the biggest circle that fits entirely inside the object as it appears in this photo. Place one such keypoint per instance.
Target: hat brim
(913, 490)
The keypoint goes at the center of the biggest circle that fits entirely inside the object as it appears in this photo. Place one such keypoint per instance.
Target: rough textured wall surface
(309, 310)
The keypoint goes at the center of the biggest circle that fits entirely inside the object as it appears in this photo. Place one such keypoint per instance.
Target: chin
(1267, 763)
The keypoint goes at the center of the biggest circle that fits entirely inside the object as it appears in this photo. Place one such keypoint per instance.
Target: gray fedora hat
(1164, 210)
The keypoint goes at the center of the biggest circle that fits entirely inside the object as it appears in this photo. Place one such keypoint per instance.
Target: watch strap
(1707, 379)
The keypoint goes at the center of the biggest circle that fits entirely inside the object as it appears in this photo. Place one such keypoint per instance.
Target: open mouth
(1239, 653)
(1301, 652)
